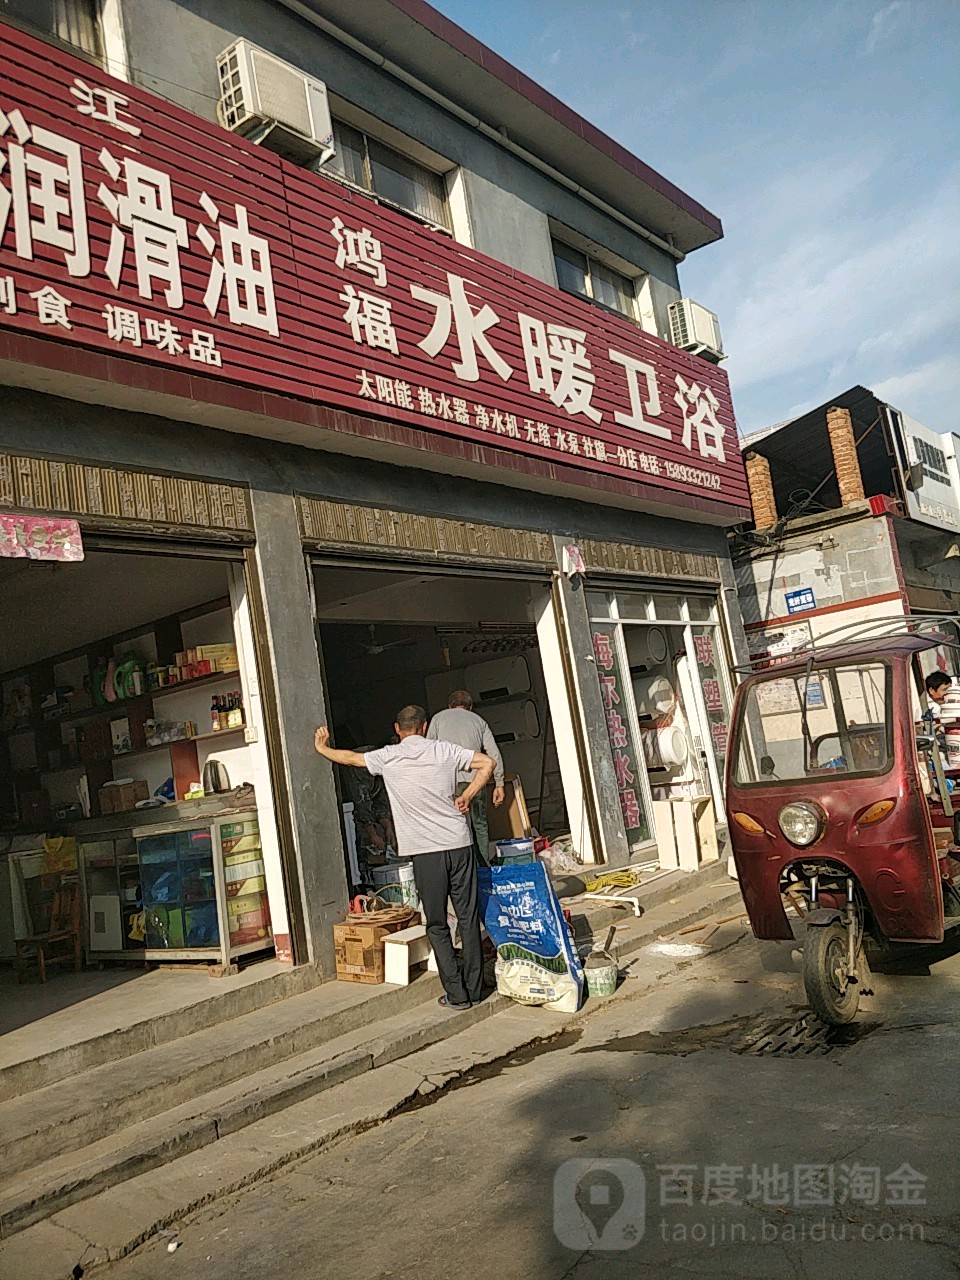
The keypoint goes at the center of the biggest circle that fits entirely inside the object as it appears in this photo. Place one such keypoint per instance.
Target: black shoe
(446, 1003)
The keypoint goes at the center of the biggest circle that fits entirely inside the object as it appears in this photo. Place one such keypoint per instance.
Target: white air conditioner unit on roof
(695, 329)
(274, 104)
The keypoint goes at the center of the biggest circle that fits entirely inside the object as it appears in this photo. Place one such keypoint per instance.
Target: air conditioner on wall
(695, 329)
(274, 104)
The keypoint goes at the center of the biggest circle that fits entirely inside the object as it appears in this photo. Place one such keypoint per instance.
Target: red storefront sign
(131, 227)
(37, 538)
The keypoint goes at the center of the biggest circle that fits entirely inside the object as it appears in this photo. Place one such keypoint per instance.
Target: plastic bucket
(394, 883)
(600, 971)
(514, 852)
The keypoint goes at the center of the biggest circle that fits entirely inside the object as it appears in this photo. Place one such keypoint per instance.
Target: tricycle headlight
(801, 823)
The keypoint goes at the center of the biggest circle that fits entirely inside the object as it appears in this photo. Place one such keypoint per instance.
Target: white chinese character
(109, 112)
(145, 208)
(573, 442)
(460, 411)
(52, 307)
(203, 349)
(676, 1183)
(511, 426)
(8, 295)
(721, 1183)
(386, 391)
(587, 447)
(164, 335)
(360, 249)
(366, 385)
(455, 309)
(601, 450)
(812, 1184)
(444, 408)
(482, 417)
(369, 318)
(427, 402)
(243, 268)
(635, 418)
(632, 459)
(46, 180)
(860, 1184)
(769, 1184)
(699, 408)
(543, 434)
(404, 395)
(123, 325)
(557, 364)
(560, 440)
(905, 1186)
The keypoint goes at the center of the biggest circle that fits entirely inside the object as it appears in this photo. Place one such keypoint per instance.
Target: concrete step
(93, 1104)
(65, 1179)
(238, 1137)
(41, 1053)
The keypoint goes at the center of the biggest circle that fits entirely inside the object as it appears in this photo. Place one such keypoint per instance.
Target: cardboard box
(358, 948)
(118, 799)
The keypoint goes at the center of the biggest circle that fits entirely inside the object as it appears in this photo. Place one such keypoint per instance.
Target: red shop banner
(39, 538)
(130, 226)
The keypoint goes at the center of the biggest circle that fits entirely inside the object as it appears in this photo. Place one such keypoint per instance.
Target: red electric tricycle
(840, 804)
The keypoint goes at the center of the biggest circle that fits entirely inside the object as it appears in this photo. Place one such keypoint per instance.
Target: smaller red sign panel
(131, 226)
(33, 538)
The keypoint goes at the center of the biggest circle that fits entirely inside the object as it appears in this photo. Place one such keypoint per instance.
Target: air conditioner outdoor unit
(695, 329)
(274, 104)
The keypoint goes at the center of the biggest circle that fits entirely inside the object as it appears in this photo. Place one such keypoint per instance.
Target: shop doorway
(663, 668)
(134, 781)
(389, 637)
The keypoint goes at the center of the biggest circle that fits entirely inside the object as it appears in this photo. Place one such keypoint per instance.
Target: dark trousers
(452, 873)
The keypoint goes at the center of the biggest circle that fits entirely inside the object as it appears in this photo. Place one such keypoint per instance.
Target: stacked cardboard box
(119, 797)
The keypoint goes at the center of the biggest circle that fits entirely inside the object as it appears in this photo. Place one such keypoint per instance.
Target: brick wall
(845, 460)
(761, 491)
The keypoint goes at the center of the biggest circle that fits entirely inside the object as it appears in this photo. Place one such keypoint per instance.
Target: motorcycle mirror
(768, 766)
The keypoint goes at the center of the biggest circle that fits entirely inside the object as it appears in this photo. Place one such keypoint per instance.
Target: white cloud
(883, 23)
(833, 277)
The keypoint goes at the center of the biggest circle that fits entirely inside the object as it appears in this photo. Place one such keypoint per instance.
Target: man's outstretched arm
(321, 741)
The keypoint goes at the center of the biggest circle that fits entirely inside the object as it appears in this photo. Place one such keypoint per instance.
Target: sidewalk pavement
(388, 1067)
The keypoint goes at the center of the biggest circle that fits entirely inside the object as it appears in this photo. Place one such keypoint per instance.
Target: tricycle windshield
(830, 721)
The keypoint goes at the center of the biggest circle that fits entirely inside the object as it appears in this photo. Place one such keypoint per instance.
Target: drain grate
(805, 1037)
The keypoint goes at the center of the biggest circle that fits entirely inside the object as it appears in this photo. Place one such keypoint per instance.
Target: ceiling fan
(373, 648)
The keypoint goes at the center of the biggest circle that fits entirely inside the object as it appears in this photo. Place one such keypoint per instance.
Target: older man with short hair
(461, 724)
(421, 777)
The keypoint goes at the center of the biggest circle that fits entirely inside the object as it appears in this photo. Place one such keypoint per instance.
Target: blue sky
(825, 134)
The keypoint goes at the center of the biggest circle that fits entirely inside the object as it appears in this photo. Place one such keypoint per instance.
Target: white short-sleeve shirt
(421, 780)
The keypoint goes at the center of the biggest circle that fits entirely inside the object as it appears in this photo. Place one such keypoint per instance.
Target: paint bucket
(511, 853)
(953, 748)
(600, 971)
(394, 882)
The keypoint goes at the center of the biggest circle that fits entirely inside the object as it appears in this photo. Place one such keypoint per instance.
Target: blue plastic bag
(537, 962)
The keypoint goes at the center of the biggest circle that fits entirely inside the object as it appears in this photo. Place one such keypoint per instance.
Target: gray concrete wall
(173, 46)
(842, 560)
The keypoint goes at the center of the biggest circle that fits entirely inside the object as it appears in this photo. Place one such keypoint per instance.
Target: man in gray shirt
(432, 830)
(461, 725)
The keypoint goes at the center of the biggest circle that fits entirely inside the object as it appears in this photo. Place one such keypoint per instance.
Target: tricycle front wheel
(832, 991)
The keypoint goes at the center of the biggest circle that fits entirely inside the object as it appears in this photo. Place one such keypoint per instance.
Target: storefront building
(856, 520)
(336, 433)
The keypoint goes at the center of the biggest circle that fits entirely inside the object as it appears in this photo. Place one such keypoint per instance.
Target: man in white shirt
(461, 725)
(432, 830)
